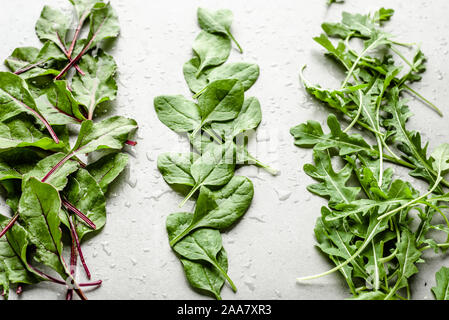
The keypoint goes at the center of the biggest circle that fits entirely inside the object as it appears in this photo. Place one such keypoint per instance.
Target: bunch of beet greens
(50, 93)
(375, 231)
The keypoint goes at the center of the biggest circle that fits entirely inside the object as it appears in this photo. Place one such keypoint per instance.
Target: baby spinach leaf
(217, 22)
(206, 277)
(441, 290)
(221, 101)
(190, 70)
(178, 113)
(220, 209)
(175, 168)
(212, 50)
(107, 169)
(246, 73)
(213, 169)
(202, 245)
(248, 118)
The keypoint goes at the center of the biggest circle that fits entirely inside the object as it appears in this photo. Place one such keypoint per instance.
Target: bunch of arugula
(215, 124)
(50, 93)
(366, 230)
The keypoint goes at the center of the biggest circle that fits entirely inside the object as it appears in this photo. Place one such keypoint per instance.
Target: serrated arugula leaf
(441, 290)
(331, 184)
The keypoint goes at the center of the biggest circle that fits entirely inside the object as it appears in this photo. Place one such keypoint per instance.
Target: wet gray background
(274, 243)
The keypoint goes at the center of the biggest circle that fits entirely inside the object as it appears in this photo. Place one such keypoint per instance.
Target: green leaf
(408, 255)
(202, 245)
(248, 118)
(219, 22)
(86, 195)
(82, 7)
(214, 168)
(220, 209)
(212, 50)
(22, 133)
(39, 211)
(206, 277)
(311, 134)
(111, 133)
(12, 248)
(221, 101)
(331, 184)
(196, 80)
(59, 179)
(53, 25)
(104, 24)
(177, 113)
(246, 73)
(98, 84)
(175, 168)
(107, 169)
(441, 290)
(441, 159)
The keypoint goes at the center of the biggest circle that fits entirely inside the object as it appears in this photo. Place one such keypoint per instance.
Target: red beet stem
(83, 217)
(9, 225)
(78, 246)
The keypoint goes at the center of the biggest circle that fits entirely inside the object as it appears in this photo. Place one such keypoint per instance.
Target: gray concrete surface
(274, 243)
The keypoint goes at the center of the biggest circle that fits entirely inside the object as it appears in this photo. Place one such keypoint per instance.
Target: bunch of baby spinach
(375, 226)
(216, 124)
(51, 93)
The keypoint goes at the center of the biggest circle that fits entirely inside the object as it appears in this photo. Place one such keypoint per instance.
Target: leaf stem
(235, 41)
(10, 224)
(81, 215)
(434, 107)
(191, 193)
(78, 246)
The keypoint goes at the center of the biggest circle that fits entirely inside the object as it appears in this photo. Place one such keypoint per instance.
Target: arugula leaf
(441, 290)
(331, 184)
